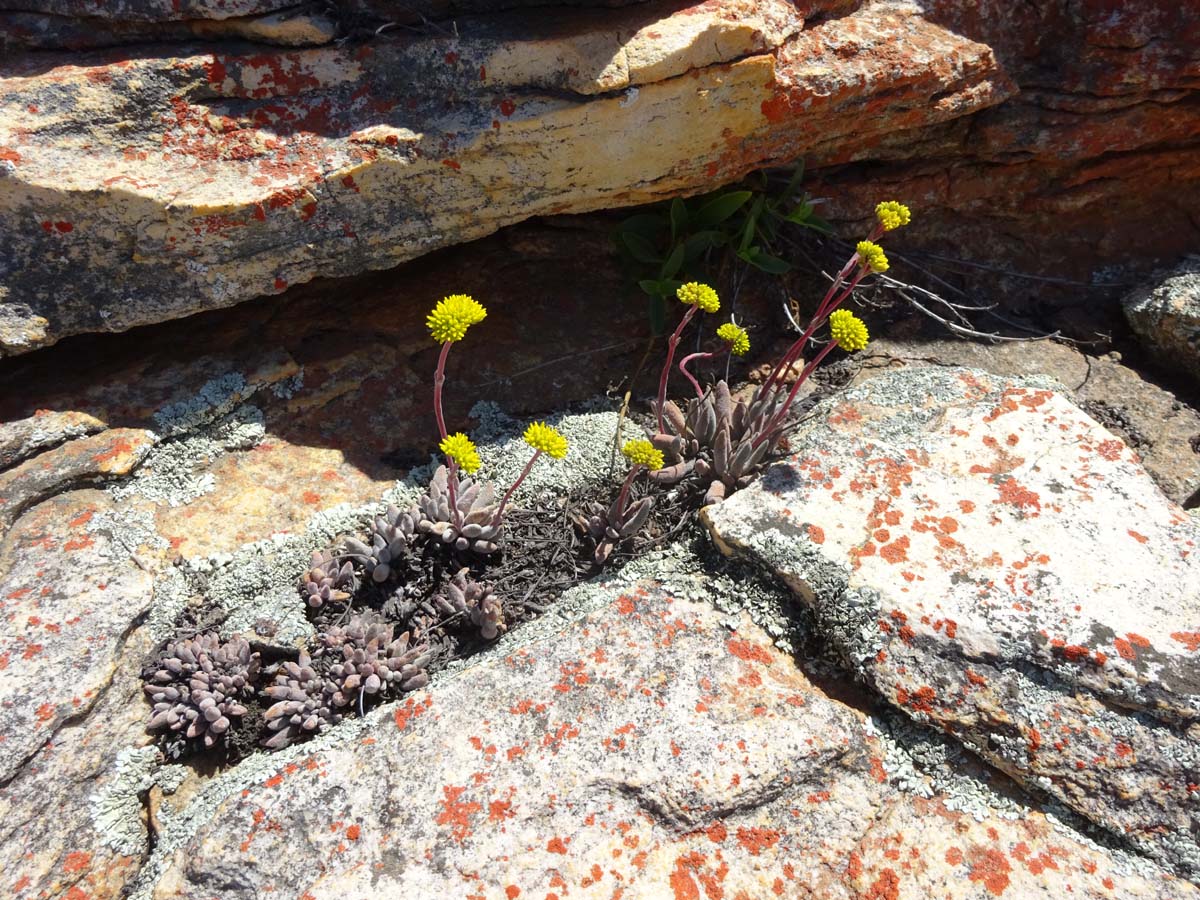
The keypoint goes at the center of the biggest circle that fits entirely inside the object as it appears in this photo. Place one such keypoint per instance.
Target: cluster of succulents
(326, 582)
(609, 525)
(354, 662)
(462, 595)
(389, 537)
(468, 522)
(198, 687)
(718, 439)
(304, 703)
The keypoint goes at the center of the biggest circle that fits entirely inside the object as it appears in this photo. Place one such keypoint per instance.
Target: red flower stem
(672, 343)
(862, 273)
(791, 397)
(683, 368)
(515, 485)
(624, 495)
(798, 346)
(452, 490)
(822, 314)
(439, 379)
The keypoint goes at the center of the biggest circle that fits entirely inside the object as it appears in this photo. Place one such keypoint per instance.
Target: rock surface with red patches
(79, 462)
(199, 180)
(1062, 646)
(66, 610)
(702, 804)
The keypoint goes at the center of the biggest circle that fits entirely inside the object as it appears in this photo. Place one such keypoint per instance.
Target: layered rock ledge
(139, 187)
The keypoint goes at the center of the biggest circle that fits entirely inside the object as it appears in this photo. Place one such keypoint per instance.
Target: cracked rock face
(644, 752)
(991, 560)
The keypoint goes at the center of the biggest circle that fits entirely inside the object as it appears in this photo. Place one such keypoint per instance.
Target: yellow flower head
(872, 256)
(643, 453)
(701, 295)
(452, 317)
(460, 449)
(892, 214)
(736, 337)
(541, 436)
(848, 330)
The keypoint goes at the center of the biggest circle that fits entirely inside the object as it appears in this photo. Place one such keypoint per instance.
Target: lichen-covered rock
(74, 822)
(990, 559)
(1154, 422)
(68, 607)
(644, 752)
(185, 182)
(1166, 315)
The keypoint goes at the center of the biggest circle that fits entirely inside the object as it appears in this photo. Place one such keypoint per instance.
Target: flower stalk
(696, 296)
(448, 323)
(543, 439)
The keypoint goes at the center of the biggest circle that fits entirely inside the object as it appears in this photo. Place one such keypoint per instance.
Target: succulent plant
(198, 684)
(304, 703)
(462, 594)
(609, 525)
(472, 526)
(325, 583)
(719, 439)
(390, 536)
(358, 660)
(373, 660)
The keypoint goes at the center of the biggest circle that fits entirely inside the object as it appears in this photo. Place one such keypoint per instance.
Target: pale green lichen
(170, 474)
(116, 807)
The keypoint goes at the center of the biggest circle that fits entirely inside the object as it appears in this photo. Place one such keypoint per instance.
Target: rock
(112, 453)
(1157, 425)
(156, 10)
(218, 174)
(991, 560)
(23, 438)
(74, 823)
(1166, 316)
(645, 751)
(303, 27)
(68, 609)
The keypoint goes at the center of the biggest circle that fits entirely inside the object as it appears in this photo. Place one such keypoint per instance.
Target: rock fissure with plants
(425, 570)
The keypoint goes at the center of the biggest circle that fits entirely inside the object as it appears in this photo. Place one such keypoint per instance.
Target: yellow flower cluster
(736, 337)
(872, 256)
(892, 214)
(848, 330)
(452, 317)
(541, 436)
(643, 453)
(696, 294)
(460, 449)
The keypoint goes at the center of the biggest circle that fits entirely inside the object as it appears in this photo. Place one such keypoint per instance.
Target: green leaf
(716, 211)
(674, 261)
(651, 286)
(800, 214)
(751, 223)
(701, 241)
(642, 249)
(648, 225)
(772, 265)
(794, 181)
(816, 223)
(658, 314)
(679, 218)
